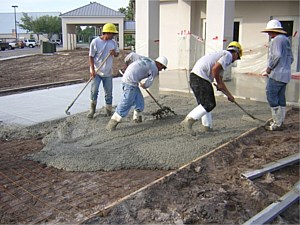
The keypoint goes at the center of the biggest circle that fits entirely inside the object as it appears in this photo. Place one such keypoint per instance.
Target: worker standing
(278, 71)
(143, 68)
(206, 69)
(100, 47)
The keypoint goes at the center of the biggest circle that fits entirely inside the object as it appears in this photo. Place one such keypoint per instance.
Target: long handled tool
(237, 104)
(102, 63)
(164, 110)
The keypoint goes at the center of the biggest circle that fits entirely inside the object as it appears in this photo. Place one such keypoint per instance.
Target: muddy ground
(210, 190)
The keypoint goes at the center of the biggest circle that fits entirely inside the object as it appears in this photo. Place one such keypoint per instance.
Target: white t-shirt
(99, 49)
(139, 70)
(203, 67)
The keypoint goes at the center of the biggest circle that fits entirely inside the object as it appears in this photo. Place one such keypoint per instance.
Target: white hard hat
(274, 26)
(163, 61)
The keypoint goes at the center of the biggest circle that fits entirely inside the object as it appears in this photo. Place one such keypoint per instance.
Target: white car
(57, 42)
(30, 43)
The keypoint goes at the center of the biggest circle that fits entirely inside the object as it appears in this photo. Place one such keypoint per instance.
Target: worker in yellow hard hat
(102, 48)
(207, 69)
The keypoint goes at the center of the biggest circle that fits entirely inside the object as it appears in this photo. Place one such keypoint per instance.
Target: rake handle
(237, 104)
(91, 78)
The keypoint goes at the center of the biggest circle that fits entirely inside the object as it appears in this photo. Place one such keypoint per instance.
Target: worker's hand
(219, 87)
(230, 98)
(142, 85)
(112, 52)
(265, 73)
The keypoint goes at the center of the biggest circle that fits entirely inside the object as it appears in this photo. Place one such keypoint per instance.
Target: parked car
(13, 45)
(30, 43)
(57, 41)
(3, 45)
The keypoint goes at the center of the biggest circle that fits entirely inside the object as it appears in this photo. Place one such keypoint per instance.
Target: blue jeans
(132, 96)
(275, 92)
(107, 85)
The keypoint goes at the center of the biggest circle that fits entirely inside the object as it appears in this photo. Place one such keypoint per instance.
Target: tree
(129, 11)
(43, 25)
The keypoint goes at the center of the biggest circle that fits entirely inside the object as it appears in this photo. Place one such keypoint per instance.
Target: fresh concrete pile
(82, 144)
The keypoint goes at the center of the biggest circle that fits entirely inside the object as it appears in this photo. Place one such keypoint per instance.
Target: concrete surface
(50, 104)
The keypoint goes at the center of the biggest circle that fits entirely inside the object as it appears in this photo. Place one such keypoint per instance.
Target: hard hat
(163, 61)
(109, 28)
(274, 26)
(235, 46)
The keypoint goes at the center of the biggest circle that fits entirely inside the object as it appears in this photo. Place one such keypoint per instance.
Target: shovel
(163, 111)
(238, 105)
(102, 63)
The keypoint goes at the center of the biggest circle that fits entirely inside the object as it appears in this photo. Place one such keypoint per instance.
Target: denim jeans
(275, 92)
(131, 96)
(107, 86)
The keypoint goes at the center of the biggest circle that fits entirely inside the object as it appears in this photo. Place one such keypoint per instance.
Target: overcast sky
(55, 6)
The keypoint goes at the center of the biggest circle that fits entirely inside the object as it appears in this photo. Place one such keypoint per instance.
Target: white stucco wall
(183, 15)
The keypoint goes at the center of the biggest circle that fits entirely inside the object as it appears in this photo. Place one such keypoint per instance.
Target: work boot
(108, 110)
(275, 125)
(207, 129)
(112, 124)
(187, 124)
(92, 110)
(137, 117)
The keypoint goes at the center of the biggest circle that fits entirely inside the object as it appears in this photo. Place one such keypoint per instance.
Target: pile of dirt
(50, 68)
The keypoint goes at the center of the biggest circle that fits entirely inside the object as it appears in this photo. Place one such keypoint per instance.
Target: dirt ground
(210, 190)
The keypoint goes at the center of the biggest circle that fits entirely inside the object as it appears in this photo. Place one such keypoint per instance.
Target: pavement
(50, 104)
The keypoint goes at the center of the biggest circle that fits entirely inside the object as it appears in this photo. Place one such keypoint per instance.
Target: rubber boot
(277, 119)
(92, 110)
(187, 124)
(114, 121)
(108, 110)
(112, 124)
(283, 113)
(207, 122)
(137, 117)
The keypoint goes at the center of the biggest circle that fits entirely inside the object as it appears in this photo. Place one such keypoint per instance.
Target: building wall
(182, 26)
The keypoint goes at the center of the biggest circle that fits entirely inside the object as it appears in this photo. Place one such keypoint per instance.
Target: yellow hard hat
(109, 28)
(235, 46)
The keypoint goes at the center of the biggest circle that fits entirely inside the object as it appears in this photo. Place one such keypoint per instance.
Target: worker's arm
(216, 71)
(92, 68)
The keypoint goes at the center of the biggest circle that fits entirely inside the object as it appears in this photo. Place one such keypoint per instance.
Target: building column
(219, 27)
(147, 28)
(147, 33)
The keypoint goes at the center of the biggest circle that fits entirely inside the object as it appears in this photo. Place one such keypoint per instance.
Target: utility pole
(16, 32)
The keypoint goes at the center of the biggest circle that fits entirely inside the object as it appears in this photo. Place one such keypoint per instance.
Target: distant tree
(129, 11)
(43, 25)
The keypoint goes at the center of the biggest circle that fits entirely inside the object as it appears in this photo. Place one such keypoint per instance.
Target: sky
(55, 6)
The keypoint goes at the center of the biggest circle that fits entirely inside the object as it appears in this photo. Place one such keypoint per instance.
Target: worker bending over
(144, 68)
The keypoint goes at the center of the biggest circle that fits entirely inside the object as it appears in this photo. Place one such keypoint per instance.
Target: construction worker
(278, 71)
(207, 69)
(100, 47)
(131, 57)
(144, 68)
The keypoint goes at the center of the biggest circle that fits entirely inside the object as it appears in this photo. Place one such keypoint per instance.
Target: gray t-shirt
(139, 70)
(99, 49)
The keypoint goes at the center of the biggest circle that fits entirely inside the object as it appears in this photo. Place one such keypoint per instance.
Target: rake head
(164, 111)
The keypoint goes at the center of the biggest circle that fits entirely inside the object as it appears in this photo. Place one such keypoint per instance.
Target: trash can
(48, 47)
